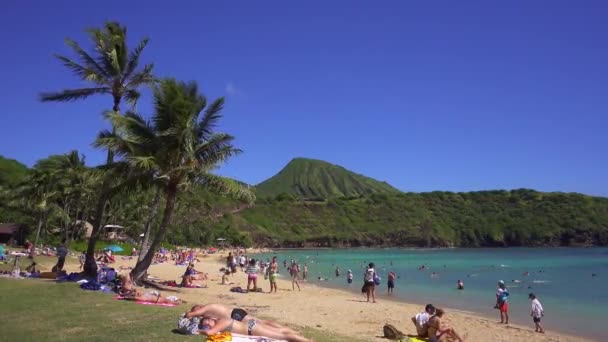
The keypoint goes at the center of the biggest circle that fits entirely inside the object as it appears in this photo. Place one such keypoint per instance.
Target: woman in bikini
(210, 325)
(437, 333)
(127, 291)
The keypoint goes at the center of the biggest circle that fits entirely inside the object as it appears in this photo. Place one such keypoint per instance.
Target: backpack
(376, 279)
(392, 333)
(503, 296)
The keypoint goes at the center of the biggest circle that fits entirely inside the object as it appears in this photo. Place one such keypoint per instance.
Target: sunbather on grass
(210, 326)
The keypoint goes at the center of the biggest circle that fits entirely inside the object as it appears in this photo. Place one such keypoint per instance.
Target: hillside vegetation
(473, 219)
(390, 218)
(317, 179)
(11, 171)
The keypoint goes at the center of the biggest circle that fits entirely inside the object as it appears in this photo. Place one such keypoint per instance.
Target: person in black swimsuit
(253, 327)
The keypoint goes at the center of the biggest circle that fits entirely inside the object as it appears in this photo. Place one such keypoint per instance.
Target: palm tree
(178, 146)
(112, 69)
(37, 194)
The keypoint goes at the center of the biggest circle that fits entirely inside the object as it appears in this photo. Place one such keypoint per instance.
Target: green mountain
(317, 179)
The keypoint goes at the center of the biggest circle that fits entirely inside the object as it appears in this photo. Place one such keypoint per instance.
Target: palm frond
(82, 72)
(211, 118)
(86, 58)
(226, 186)
(73, 94)
(143, 77)
(134, 59)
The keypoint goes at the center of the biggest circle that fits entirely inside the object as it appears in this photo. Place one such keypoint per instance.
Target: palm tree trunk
(143, 250)
(139, 272)
(40, 221)
(90, 266)
(66, 223)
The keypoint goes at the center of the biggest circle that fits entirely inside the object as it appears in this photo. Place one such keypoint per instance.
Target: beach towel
(147, 303)
(245, 338)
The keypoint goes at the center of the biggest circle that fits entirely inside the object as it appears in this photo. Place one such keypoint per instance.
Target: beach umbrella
(115, 248)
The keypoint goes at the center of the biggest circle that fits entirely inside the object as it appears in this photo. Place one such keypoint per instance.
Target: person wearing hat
(501, 302)
(537, 312)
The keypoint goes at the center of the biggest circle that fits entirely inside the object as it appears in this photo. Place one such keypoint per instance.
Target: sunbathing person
(210, 326)
(127, 291)
(440, 332)
(223, 311)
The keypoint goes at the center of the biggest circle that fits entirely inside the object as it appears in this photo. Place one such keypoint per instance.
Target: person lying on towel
(210, 326)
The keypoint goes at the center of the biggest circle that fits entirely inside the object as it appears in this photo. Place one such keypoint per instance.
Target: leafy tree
(186, 149)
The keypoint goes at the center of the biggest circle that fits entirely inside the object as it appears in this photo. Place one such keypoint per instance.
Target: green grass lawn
(39, 310)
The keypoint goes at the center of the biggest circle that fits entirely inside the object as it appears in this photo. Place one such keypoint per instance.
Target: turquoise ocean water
(574, 300)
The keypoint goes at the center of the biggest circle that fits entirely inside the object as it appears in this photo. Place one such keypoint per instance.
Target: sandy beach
(333, 310)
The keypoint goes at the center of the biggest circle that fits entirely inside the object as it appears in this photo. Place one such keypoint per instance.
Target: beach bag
(392, 333)
(376, 279)
(187, 326)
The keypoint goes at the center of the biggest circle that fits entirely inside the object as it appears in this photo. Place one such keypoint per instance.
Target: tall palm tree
(112, 69)
(185, 150)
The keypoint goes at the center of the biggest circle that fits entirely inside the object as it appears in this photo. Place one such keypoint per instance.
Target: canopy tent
(114, 248)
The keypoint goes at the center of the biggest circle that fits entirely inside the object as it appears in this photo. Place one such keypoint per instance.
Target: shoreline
(517, 322)
(364, 319)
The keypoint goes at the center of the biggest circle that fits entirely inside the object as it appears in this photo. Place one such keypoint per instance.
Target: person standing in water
(349, 277)
(501, 302)
(391, 282)
(337, 271)
(460, 285)
(305, 272)
(537, 313)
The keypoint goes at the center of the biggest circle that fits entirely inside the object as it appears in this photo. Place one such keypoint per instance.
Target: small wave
(540, 281)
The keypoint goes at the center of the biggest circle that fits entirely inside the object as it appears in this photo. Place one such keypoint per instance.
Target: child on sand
(226, 279)
(252, 275)
(273, 271)
(537, 312)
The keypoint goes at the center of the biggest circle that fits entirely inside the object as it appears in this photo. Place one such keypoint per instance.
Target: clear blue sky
(427, 95)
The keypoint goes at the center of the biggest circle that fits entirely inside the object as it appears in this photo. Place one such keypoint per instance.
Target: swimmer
(460, 285)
